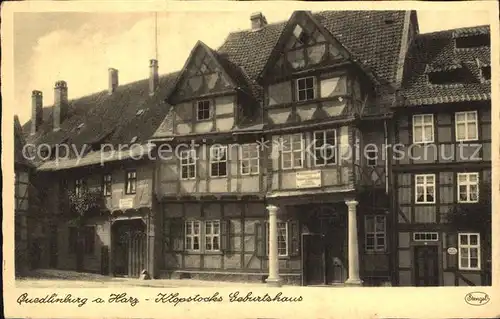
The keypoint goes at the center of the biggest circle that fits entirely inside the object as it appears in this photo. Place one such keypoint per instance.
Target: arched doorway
(129, 247)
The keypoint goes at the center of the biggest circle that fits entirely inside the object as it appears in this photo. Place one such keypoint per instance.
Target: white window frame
(376, 248)
(107, 180)
(293, 152)
(325, 146)
(79, 185)
(425, 184)
(297, 90)
(252, 161)
(287, 244)
(428, 236)
(192, 234)
(202, 103)
(211, 235)
(214, 150)
(187, 158)
(466, 123)
(131, 176)
(469, 247)
(421, 122)
(468, 185)
(371, 158)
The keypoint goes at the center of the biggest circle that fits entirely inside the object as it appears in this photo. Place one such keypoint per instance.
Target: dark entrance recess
(53, 247)
(324, 251)
(426, 266)
(129, 248)
(313, 252)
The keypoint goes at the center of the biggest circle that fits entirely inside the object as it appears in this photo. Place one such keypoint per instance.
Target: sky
(79, 47)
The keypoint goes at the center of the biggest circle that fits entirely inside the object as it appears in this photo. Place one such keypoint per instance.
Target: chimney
(60, 110)
(36, 111)
(153, 76)
(113, 80)
(258, 21)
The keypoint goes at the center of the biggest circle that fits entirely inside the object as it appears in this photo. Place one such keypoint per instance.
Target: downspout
(386, 140)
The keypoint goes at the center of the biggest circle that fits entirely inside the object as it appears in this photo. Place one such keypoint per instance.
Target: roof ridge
(448, 31)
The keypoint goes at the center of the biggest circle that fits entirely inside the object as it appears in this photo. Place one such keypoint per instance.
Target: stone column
(274, 278)
(352, 232)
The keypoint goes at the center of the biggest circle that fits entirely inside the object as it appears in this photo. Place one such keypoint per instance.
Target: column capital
(351, 203)
(272, 209)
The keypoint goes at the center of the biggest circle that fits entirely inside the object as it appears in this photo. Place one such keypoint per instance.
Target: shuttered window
(288, 238)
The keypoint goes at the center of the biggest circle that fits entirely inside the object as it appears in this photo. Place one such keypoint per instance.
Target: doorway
(426, 266)
(313, 254)
(129, 248)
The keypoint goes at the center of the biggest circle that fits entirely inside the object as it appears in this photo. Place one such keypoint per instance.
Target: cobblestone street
(49, 278)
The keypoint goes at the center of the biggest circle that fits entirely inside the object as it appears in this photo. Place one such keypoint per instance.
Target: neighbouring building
(267, 158)
(444, 112)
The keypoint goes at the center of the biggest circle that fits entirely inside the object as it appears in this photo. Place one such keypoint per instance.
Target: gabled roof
(108, 118)
(230, 71)
(377, 47)
(436, 52)
(19, 143)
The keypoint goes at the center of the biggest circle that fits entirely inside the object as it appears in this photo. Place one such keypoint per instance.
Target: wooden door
(313, 259)
(136, 253)
(426, 266)
(335, 232)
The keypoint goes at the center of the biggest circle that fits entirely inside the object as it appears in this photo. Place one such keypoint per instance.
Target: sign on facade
(308, 179)
(452, 251)
(126, 203)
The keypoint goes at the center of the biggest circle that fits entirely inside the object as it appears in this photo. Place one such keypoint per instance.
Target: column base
(274, 282)
(353, 282)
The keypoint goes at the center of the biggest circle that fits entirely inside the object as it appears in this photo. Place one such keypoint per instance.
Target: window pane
(474, 262)
(369, 224)
(428, 133)
(460, 117)
(471, 130)
(216, 243)
(418, 134)
(463, 240)
(196, 245)
(473, 239)
(461, 131)
(464, 252)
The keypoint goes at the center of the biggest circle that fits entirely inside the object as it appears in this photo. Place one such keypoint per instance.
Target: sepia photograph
(261, 150)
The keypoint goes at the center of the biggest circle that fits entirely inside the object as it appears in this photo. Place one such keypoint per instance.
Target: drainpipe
(386, 139)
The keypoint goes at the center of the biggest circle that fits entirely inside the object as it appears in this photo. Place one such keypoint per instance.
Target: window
(106, 185)
(423, 128)
(188, 164)
(425, 189)
(203, 110)
(88, 240)
(425, 236)
(193, 235)
(466, 126)
(130, 182)
(325, 150)
(212, 235)
(371, 157)
(469, 251)
(79, 185)
(218, 161)
(472, 41)
(282, 228)
(468, 187)
(375, 233)
(305, 89)
(292, 151)
(249, 159)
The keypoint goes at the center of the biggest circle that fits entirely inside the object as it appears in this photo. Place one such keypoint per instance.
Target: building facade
(267, 159)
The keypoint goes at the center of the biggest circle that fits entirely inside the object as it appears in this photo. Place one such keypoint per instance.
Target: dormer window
(473, 41)
(203, 110)
(486, 73)
(446, 76)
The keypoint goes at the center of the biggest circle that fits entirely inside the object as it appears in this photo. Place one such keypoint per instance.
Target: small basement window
(486, 73)
(446, 77)
(475, 41)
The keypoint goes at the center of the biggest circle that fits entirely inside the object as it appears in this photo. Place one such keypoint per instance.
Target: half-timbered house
(443, 125)
(270, 158)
